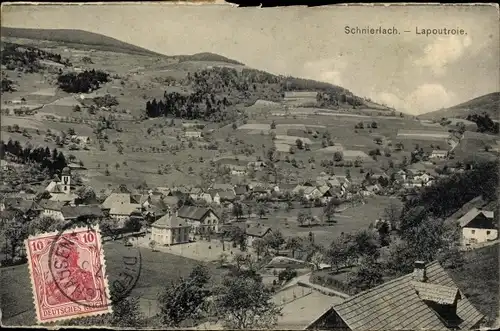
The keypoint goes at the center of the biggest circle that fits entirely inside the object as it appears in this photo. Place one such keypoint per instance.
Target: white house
(237, 170)
(170, 230)
(82, 141)
(52, 209)
(192, 134)
(478, 226)
(438, 154)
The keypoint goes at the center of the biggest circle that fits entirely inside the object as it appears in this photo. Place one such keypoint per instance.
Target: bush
(105, 101)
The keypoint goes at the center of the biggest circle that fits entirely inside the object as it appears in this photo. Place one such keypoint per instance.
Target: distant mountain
(99, 41)
(489, 103)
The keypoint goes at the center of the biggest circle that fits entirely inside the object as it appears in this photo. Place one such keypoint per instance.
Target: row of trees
(53, 161)
(193, 106)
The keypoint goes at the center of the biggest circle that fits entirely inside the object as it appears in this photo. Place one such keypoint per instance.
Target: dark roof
(8, 214)
(52, 205)
(227, 195)
(477, 202)
(192, 212)
(260, 189)
(222, 186)
(240, 189)
(20, 204)
(257, 231)
(396, 305)
(81, 211)
(287, 187)
(169, 221)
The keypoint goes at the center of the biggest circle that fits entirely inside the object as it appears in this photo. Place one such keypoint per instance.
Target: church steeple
(66, 180)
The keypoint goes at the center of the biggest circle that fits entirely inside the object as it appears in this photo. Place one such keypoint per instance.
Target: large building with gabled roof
(427, 299)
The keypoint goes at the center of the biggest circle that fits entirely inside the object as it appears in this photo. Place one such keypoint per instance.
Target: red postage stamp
(68, 274)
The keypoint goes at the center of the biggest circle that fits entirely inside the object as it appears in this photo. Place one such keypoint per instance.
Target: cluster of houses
(174, 223)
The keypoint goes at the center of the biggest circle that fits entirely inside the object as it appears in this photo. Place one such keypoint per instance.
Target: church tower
(66, 180)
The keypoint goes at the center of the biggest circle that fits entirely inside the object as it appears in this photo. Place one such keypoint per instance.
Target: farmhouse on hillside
(478, 226)
(201, 220)
(170, 230)
(428, 299)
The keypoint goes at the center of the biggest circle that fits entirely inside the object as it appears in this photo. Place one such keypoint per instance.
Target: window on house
(488, 232)
(473, 231)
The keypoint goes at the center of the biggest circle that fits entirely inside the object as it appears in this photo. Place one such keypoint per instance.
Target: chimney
(419, 271)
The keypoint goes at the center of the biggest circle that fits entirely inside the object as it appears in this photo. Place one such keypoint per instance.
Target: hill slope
(209, 57)
(489, 103)
(101, 42)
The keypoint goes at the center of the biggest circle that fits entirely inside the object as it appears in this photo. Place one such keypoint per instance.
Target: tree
(239, 260)
(126, 313)
(237, 210)
(316, 259)
(338, 156)
(299, 143)
(245, 303)
(301, 218)
(378, 141)
(238, 237)
(262, 210)
(260, 247)
(185, 298)
(292, 149)
(366, 243)
(341, 252)
(77, 108)
(392, 214)
(374, 125)
(330, 209)
(293, 244)
(273, 125)
(276, 240)
(368, 275)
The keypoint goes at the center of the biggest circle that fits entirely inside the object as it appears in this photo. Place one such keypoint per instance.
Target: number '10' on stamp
(68, 275)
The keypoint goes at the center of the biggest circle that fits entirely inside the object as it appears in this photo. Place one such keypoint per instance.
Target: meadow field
(158, 269)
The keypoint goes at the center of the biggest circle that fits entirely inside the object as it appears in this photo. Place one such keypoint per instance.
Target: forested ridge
(217, 89)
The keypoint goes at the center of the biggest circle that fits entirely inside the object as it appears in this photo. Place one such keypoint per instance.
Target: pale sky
(411, 72)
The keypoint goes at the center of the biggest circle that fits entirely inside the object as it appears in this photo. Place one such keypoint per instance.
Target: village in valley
(318, 208)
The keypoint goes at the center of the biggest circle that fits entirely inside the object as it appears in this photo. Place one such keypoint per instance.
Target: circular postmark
(77, 265)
